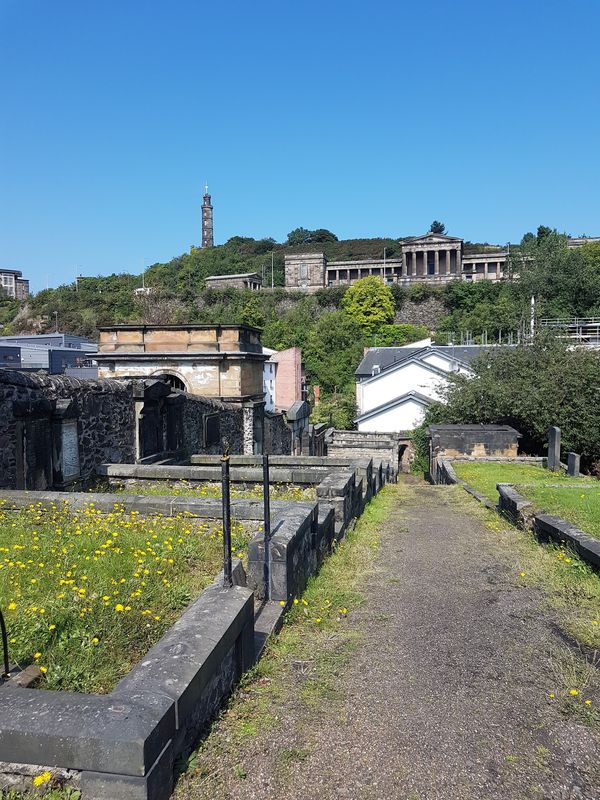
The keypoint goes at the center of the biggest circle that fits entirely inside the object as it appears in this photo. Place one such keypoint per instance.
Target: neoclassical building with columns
(433, 258)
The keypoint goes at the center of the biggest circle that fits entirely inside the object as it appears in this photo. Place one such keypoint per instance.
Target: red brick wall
(288, 378)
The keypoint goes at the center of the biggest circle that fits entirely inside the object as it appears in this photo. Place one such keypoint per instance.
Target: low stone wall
(587, 547)
(122, 746)
(517, 508)
(293, 553)
(393, 449)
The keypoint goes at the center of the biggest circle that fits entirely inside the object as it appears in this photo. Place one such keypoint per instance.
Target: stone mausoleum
(432, 258)
(221, 361)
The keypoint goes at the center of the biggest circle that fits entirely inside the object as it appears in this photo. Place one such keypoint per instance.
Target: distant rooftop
(385, 357)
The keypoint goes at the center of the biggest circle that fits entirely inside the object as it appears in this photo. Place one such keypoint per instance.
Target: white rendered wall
(392, 384)
(404, 417)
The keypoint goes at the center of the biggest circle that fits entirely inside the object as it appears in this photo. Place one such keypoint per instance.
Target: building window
(303, 272)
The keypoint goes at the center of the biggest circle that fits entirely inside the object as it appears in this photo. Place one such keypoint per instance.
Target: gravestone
(573, 464)
(554, 448)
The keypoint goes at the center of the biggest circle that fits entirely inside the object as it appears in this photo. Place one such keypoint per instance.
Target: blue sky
(370, 119)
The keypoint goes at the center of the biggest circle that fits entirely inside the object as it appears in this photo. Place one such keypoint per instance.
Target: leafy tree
(298, 236)
(333, 350)
(251, 313)
(323, 235)
(398, 335)
(543, 231)
(437, 227)
(532, 387)
(337, 409)
(370, 303)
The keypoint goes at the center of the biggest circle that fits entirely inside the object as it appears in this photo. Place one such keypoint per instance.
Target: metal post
(267, 526)
(227, 576)
(6, 672)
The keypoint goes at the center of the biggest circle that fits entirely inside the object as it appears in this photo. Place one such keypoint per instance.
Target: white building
(269, 376)
(395, 385)
(14, 284)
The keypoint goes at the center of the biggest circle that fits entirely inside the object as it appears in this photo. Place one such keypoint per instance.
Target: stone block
(573, 461)
(85, 732)
(157, 784)
(553, 448)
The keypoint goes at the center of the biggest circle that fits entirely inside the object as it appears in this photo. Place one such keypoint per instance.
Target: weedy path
(447, 693)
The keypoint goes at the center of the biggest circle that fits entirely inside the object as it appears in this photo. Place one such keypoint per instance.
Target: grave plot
(244, 491)
(85, 595)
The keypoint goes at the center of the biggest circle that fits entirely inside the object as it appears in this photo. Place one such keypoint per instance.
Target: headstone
(554, 448)
(70, 450)
(573, 464)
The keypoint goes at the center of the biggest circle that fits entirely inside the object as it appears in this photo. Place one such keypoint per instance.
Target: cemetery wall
(103, 410)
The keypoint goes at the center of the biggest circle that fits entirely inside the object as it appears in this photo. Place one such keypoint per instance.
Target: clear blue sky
(370, 119)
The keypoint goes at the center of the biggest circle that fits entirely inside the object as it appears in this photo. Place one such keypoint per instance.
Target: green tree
(323, 235)
(370, 303)
(251, 313)
(532, 387)
(333, 351)
(437, 227)
(398, 335)
(298, 236)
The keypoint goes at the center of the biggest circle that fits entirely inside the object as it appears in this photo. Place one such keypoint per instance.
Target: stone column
(458, 261)
(437, 262)
(448, 262)
(404, 264)
(553, 448)
(485, 270)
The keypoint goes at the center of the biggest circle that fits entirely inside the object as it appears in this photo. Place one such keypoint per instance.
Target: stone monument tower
(207, 220)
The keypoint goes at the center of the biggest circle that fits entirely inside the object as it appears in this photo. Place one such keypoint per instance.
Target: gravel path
(447, 693)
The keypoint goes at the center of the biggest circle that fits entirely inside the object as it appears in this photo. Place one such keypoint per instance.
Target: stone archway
(172, 378)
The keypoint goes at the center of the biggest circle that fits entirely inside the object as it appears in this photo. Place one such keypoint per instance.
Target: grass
(278, 491)
(578, 505)
(85, 595)
(570, 586)
(484, 476)
(301, 665)
(565, 498)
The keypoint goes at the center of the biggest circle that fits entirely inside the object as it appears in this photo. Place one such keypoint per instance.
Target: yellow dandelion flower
(51, 627)
(37, 655)
(40, 780)
(119, 607)
(95, 640)
(573, 692)
(522, 574)
(551, 695)
(282, 602)
(43, 670)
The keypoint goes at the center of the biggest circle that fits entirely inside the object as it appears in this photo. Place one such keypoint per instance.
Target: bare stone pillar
(437, 262)
(485, 269)
(458, 261)
(554, 448)
(448, 262)
(404, 265)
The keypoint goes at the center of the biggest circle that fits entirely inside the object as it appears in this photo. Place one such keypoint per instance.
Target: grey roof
(386, 357)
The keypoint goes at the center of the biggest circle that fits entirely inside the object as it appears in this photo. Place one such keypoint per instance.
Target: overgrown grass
(484, 475)
(578, 505)
(278, 491)
(303, 663)
(85, 595)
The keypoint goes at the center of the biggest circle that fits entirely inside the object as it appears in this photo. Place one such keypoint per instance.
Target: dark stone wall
(278, 437)
(103, 409)
(196, 409)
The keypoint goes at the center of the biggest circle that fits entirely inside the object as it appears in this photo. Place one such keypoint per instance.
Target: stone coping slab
(586, 546)
(238, 474)
(167, 505)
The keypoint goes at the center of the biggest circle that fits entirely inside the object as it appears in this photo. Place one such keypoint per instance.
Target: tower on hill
(207, 220)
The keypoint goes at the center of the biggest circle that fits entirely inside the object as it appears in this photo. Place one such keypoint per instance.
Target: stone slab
(84, 732)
